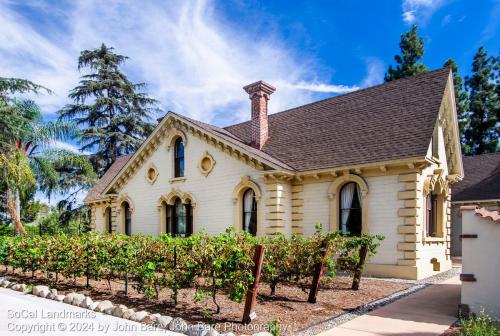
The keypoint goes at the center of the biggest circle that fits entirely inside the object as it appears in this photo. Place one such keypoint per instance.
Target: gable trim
(183, 125)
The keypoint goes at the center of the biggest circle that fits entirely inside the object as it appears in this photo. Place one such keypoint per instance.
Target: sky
(196, 55)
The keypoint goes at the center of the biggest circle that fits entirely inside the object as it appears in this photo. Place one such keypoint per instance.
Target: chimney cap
(259, 86)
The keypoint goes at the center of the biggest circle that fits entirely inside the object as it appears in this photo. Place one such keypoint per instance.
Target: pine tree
(408, 63)
(482, 133)
(461, 102)
(112, 111)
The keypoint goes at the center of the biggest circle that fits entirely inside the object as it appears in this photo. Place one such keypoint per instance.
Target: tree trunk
(14, 209)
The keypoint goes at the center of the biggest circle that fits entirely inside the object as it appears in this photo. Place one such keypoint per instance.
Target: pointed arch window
(249, 212)
(350, 209)
(179, 158)
(179, 219)
(431, 206)
(127, 218)
(107, 220)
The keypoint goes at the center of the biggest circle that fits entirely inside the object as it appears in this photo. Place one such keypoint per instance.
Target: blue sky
(196, 55)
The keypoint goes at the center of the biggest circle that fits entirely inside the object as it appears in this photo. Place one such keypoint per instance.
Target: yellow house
(379, 160)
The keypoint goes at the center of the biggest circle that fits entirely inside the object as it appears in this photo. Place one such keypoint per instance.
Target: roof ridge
(350, 93)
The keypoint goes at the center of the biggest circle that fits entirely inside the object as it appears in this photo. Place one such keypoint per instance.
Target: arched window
(431, 215)
(179, 158)
(350, 216)
(127, 218)
(249, 212)
(179, 219)
(107, 220)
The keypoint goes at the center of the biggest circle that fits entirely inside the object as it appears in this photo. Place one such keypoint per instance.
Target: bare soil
(289, 307)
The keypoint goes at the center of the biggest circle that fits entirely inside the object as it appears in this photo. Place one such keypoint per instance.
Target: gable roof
(390, 121)
(481, 179)
(96, 192)
(235, 140)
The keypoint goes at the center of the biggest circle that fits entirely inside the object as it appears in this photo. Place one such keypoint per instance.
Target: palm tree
(25, 143)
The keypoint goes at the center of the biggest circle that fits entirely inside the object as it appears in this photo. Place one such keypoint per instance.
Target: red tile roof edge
(483, 212)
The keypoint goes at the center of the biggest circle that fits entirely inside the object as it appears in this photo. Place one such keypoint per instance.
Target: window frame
(179, 160)
(431, 215)
(252, 213)
(108, 220)
(127, 218)
(172, 218)
(357, 191)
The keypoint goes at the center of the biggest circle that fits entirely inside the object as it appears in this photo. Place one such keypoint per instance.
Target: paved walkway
(427, 312)
(22, 314)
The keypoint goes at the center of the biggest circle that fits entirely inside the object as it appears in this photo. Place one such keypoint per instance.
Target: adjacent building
(480, 186)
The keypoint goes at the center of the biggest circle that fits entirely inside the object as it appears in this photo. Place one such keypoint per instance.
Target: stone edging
(176, 324)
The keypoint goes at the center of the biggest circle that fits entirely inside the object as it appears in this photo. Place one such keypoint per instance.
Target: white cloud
(193, 62)
(420, 11)
(320, 87)
(66, 146)
(375, 70)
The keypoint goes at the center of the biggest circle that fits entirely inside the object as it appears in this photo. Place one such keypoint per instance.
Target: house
(480, 264)
(379, 160)
(480, 186)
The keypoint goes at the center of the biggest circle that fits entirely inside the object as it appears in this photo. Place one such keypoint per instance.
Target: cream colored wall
(383, 205)
(382, 208)
(316, 207)
(430, 248)
(99, 219)
(213, 194)
(480, 258)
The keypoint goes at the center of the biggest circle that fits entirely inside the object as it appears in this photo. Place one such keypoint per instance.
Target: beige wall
(99, 219)
(383, 205)
(316, 207)
(438, 248)
(213, 193)
(480, 258)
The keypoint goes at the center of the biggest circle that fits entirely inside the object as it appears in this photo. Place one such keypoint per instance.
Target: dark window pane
(249, 204)
(128, 218)
(108, 216)
(179, 158)
(350, 214)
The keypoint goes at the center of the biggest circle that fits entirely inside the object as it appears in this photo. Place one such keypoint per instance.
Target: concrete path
(22, 314)
(427, 312)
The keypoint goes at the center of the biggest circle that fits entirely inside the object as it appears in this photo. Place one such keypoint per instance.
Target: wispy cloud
(194, 62)
(420, 11)
(66, 146)
(491, 27)
(375, 70)
(320, 87)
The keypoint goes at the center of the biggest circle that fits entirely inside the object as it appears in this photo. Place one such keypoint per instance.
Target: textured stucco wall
(480, 258)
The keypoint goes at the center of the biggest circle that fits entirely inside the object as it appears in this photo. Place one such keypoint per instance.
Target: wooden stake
(318, 272)
(359, 267)
(249, 313)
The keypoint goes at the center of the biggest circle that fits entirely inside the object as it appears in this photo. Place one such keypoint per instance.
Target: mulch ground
(453, 331)
(289, 307)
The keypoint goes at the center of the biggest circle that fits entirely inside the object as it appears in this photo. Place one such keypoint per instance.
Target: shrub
(481, 325)
(209, 264)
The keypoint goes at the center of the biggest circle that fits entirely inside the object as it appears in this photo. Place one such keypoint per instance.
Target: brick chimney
(259, 93)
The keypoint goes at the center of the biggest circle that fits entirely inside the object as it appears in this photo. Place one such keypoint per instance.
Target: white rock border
(176, 324)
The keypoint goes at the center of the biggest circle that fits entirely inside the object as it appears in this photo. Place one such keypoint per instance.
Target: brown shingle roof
(95, 192)
(389, 121)
(232, 138)
(481, 179)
